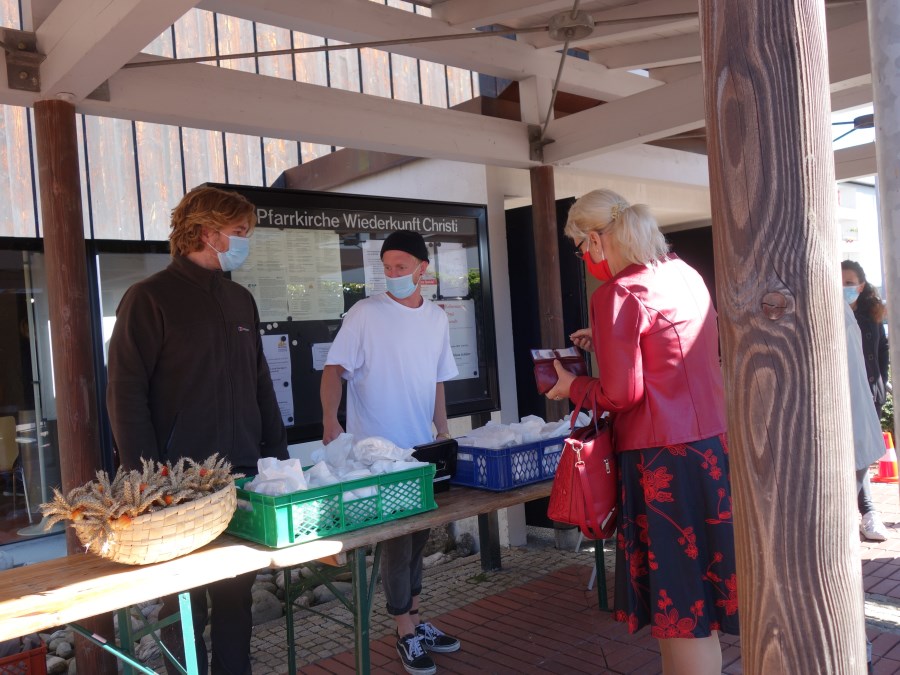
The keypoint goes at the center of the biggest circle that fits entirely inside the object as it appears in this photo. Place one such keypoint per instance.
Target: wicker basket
(167, 533)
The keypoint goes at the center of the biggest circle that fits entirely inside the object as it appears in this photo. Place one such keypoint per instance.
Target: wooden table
(63, 591)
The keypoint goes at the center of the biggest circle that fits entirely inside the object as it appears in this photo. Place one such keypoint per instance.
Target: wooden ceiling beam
(207, 97)
(363, 21)
(87, 41)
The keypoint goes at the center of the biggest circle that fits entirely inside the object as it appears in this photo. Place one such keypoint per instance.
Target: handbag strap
(588, 393)
(588, 496)
(586, 491)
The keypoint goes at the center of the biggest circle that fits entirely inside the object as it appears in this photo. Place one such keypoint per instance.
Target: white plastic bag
(277, 477)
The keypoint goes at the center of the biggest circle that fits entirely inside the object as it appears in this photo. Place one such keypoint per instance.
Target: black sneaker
(414, 658)
(435, 640)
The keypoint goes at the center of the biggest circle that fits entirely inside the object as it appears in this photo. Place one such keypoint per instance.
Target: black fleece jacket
(187, 374)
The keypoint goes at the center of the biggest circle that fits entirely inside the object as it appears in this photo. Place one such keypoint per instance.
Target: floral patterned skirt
(675, 561)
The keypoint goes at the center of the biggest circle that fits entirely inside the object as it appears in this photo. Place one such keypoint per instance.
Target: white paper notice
(263, 274)
(429, 283)
(278, 355)
(314, 286)
(319, 354)
(463, 338)
(453, 270)
(372, 267)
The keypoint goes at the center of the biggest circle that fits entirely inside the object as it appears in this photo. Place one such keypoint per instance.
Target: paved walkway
(537, 616)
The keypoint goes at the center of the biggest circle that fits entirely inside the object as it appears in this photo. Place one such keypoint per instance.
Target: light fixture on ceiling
(861, 122)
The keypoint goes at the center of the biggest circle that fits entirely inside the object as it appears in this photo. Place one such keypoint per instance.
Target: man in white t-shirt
(393, 350)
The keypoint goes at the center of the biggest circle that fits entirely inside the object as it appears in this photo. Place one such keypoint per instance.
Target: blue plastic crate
(507, 468)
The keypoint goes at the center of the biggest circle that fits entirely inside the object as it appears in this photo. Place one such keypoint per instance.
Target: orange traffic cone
(887, 465)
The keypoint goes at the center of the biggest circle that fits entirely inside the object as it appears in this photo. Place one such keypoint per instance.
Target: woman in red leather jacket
(653, 330)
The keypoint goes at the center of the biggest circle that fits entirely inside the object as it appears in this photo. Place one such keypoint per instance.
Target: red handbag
(585, 488)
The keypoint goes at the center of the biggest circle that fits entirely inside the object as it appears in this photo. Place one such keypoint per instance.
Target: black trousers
(231, 626)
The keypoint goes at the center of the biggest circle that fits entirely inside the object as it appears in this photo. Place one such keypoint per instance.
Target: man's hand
(331, 429)
(560, 390)
(583, 338)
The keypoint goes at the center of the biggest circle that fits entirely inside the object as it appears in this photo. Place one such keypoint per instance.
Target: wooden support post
(784, 355)
(70, 321)
(884, 43)
(546, 233)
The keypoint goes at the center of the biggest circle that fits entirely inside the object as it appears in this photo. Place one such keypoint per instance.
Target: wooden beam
(207, 97)
(628, 121)
(476, 13)
(549, 285)
(855, 162)
(669, 51)
(358, 21)
(885, 32)
(70, 315)
(781, 325)
(87, 41)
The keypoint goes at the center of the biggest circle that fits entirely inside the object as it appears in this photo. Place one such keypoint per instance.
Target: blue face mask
(850, 294)
(401, 287)
(234, 257)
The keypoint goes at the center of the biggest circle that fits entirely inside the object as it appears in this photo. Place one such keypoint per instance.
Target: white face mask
(401, 287)
(234, 257)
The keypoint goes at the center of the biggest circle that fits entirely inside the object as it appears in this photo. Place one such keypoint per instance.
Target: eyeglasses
(578, 252)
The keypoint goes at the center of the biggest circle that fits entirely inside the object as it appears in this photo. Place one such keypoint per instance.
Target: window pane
(244, 159)
(376, 74)
(309, 151)
(113, 187)
(9, 14)
(270, 38)
(29, 448)
(16, 201)
(159, 158)
(311, 67)
(162, 45)
(195, 34)
(434, 84)
(459, 82)
(204, 159)
(405, 71)
(343, 67)
(82, 171)
(280, 155)
(236, 37)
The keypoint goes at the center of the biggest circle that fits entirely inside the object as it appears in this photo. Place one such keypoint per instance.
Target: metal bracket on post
(536, 143)
(23, 61)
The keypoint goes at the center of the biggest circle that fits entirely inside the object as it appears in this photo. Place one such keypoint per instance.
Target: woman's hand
(560, 390)
(583, 338)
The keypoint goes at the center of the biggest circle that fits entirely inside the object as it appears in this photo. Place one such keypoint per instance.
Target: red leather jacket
(657, 348)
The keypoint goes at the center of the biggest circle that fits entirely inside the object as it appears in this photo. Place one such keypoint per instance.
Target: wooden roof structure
(85, 45)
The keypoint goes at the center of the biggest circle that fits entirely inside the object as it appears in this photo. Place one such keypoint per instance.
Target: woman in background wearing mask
(653, 330)
(869, 312)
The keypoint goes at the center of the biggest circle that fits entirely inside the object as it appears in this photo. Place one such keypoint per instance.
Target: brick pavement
(549, 622)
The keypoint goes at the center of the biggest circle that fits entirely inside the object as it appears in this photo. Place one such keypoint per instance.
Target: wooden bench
(66, 590)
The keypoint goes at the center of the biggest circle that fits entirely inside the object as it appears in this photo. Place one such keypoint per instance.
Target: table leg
(112, 649)
(126, 639)
(289, 621)
(599, 561)
(363, 605)
(187, 631)
(489, 540)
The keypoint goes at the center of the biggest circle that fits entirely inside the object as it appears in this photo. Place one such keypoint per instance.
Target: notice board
(314, 254)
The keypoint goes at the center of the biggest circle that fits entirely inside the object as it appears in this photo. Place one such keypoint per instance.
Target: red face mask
(600, 270)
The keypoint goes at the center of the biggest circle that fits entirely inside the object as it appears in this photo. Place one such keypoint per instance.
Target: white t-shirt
(393, 357)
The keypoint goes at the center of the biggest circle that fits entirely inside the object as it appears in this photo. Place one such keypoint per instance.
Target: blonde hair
(206, 207)
(632, 226)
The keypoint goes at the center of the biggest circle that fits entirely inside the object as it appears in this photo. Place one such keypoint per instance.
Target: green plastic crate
(323, 512)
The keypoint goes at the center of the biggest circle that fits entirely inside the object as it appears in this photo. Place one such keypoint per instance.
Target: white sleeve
(346, 350)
